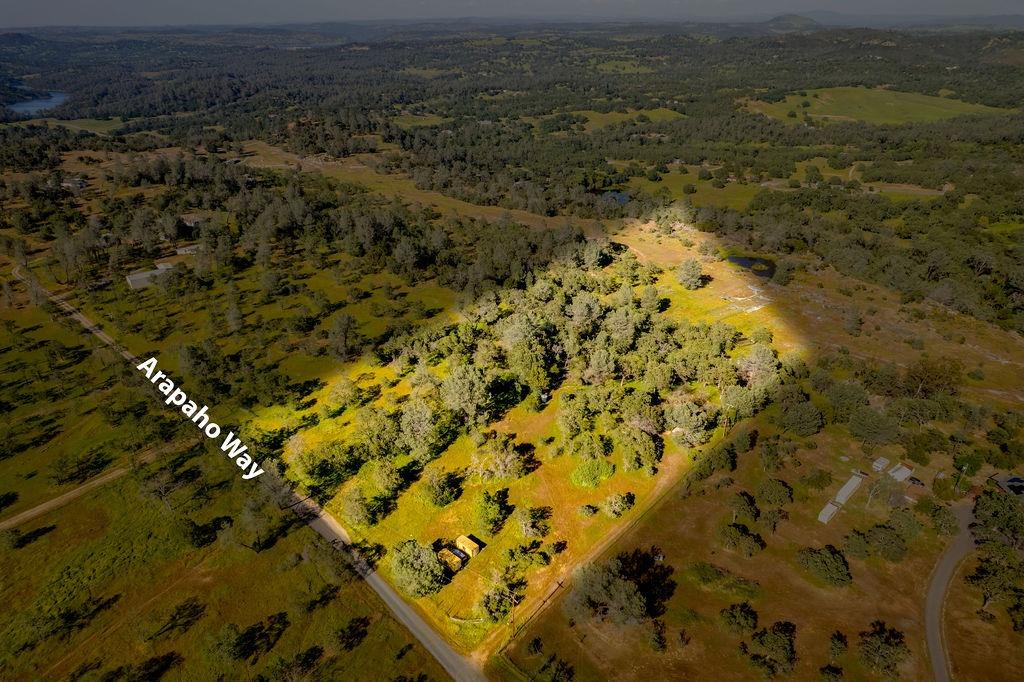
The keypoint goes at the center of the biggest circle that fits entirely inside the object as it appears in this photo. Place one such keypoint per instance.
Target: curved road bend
(961, 546)
(324, 524)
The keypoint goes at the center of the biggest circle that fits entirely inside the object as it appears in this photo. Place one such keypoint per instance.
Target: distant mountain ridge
(826, 18)
(785, 23)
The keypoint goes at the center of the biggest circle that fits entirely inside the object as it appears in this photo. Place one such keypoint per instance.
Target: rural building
(470, 547)
(880, 464)
(900, 472)
(143, 279)
(450, 559)
(187, 250)
(1014, 485)
(850, 487)
(192, 219)
(828, 511)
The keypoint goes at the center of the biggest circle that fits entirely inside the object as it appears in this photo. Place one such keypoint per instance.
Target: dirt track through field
(88, 486)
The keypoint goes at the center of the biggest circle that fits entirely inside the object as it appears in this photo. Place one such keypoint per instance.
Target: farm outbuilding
(901, 472)
(450, 559)
(140, 280)
(467, 545)
(828, 511)
(850, 487)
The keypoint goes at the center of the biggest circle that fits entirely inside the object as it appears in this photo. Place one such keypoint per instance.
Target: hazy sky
(142, 12)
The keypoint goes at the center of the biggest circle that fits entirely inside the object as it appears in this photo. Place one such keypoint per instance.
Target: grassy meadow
(871, 105)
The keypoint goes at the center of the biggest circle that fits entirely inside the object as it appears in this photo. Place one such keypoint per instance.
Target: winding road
(458, 666)
(945, 569)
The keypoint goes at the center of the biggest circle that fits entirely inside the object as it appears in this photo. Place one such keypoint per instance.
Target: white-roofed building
(901, 472)
(849, 488)
(828, 511)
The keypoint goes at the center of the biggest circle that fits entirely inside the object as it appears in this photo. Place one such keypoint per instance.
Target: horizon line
(534, 19)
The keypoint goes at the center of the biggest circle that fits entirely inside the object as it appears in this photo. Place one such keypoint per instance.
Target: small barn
(467, 545)
(450, 559)
(901, 472)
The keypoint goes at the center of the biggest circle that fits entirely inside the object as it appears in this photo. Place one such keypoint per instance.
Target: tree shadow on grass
(20, 539)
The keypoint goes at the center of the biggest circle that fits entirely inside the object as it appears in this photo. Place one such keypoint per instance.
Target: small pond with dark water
(31, 107)
(618, 196)
(762, 267)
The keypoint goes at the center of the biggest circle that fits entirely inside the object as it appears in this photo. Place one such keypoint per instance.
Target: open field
(807, 319)
(685, 530)
(357, 170)
(876, 105)
(92, 125)
(625, 66)
(121, 546)
(55, 377)
(734, 195)
(414, 120)
(977, 648)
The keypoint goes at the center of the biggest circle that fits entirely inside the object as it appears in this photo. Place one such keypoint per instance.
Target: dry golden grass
(977, 650)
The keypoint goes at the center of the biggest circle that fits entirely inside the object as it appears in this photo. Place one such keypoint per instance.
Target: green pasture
(876, 105)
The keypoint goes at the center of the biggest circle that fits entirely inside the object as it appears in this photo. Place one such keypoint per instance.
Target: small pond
(762, 267)
(32, 107)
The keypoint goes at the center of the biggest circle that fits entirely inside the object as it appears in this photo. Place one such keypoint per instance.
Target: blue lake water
(35, 106)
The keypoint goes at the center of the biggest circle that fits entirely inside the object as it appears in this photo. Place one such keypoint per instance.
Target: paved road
(961, 546)
(458, 666)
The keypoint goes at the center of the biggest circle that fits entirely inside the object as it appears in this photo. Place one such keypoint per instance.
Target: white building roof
(828, 511)
(880, 463)
(848, 489)
(139, 280)
(900, 472)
